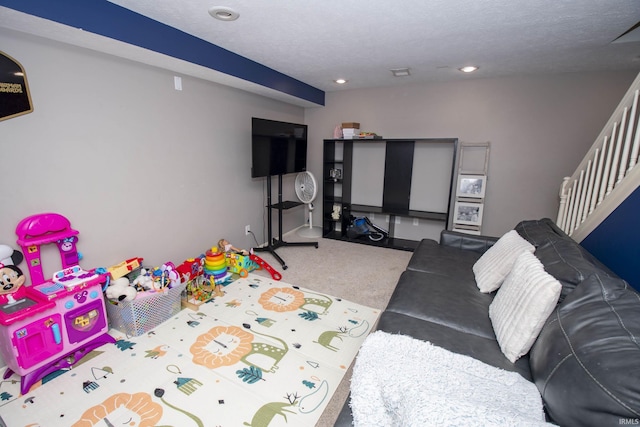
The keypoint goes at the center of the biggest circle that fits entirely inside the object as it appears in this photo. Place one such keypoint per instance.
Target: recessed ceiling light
(223, 13)
(340, 81)
(400, 72)
(468, 69)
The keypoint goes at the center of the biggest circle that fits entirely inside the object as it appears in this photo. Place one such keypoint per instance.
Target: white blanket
(400, 381)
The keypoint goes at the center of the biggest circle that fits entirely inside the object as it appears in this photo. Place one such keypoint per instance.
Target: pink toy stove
(53, 323)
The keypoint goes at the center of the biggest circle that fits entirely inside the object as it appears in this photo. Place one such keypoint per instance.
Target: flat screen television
(277, 148)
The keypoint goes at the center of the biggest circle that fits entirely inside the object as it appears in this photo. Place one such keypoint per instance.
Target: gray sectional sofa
(585, 361)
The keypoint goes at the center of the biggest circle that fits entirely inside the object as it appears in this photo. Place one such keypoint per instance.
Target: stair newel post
(561, 219)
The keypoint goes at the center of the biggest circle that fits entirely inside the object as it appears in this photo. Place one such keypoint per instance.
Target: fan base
(311, 232)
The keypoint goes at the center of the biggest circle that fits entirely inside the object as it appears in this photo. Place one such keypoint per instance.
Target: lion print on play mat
(264, 354)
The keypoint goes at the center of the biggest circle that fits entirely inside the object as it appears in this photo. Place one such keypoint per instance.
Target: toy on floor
(125, 267)
(215, 269)
(225, 246)
(166, 275)
(241, 261)
(263, 264)
(60, 319)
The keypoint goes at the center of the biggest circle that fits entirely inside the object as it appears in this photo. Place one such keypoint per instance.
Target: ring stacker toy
(53, 323)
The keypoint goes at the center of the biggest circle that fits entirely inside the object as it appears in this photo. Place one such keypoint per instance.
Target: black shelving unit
(337, 191)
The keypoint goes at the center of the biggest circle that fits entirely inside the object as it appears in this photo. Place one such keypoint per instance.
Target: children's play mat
(266, 353)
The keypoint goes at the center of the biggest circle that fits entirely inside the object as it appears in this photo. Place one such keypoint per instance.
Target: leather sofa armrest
(466, 241)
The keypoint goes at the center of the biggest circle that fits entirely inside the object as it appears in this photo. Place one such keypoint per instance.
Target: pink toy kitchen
(51, 323)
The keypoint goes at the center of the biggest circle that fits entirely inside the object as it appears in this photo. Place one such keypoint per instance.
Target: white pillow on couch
(493, 266)
(522, 305)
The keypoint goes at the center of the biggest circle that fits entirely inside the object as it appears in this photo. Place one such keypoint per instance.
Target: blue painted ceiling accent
(113, 21)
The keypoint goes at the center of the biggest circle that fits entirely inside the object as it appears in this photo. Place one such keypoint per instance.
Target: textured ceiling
(361, 40)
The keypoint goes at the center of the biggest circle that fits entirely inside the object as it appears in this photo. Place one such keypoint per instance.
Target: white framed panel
(431, 176)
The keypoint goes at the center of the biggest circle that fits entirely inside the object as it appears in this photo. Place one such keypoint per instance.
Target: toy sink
(12, 307)
(22, 306)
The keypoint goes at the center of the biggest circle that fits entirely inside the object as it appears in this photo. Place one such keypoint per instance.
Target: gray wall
(539, 128)
(139, 168)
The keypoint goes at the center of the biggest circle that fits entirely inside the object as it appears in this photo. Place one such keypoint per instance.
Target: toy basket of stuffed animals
(148, 310)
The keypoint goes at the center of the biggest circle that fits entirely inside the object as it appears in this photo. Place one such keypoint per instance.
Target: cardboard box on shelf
(354, 125)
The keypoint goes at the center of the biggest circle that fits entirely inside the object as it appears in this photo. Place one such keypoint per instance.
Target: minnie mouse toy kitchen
(53, 323)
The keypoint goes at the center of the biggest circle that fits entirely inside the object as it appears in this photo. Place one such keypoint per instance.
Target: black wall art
(15, 99)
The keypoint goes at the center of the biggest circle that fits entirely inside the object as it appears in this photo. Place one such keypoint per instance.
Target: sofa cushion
(586, 360)
(522, 305)
(484, 349)
(446, 300)
(468, 242)
(430, 257)
(561, 256)
(540, 231)
(568, 262)
(494, 265)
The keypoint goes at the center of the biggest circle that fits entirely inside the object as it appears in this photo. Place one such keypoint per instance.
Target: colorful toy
(11, 281)
(199, 290)
(144, 282)
(191, 268)
(125, 267)
(241, 261)
(263, 264)
(56, 321)
(121, 290)
(226, 247)
(166, 275)
(215, 267)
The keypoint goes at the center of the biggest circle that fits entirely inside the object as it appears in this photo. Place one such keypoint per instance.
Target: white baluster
(607, 165)
(579, 199)
(627, 141)
(571, 208)
(616, 155)
(636, 147)
(567, 211)
(597, 165)
(586, 193)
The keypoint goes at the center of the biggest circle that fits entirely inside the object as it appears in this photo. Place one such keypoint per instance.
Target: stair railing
(607, 174)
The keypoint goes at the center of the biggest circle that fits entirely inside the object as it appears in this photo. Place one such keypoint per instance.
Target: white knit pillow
(522, 305)
(494, 265)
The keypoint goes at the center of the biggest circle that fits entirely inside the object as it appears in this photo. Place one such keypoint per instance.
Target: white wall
(139, 168)
(539, 127)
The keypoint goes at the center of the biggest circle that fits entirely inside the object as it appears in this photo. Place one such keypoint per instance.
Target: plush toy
(11, 281)
(144, 282)
(8, 256)
(121, 290)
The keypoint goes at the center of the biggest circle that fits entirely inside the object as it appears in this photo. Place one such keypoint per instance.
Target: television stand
(273, 243)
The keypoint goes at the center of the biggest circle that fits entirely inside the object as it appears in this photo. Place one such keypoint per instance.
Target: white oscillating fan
(306, 190)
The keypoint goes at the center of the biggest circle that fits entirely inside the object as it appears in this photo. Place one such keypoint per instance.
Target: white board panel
(432, 165)
(368, 173)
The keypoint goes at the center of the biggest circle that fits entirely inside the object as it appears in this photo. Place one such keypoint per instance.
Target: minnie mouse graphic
(11, 277)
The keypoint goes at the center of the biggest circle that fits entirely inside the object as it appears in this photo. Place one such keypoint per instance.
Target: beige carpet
(360, 273)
